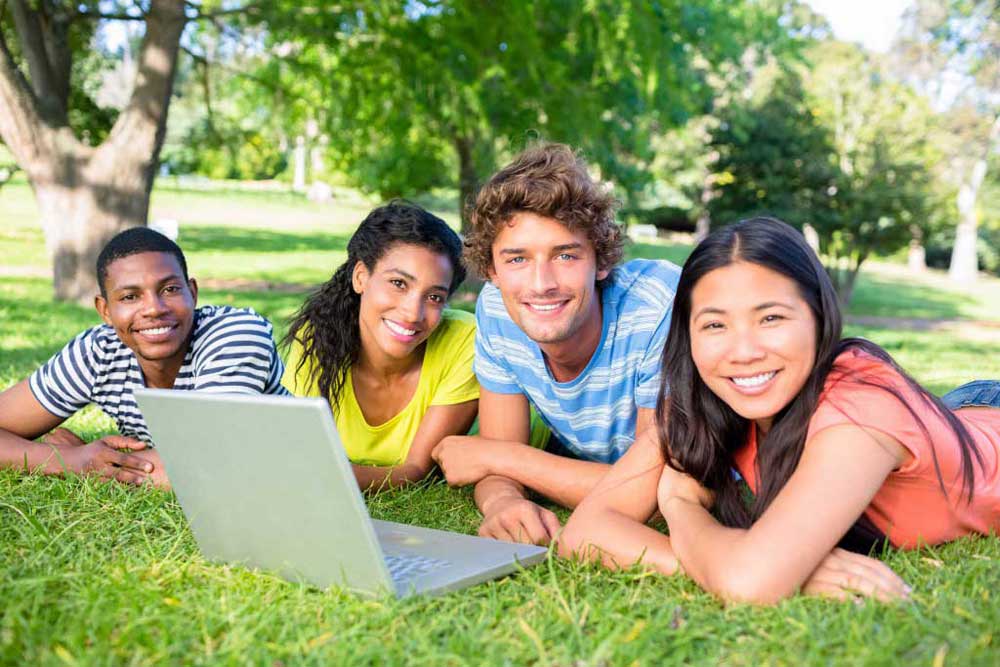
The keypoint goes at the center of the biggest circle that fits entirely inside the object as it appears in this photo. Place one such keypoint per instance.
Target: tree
(836, 145)
(422, 94)
(951, 51)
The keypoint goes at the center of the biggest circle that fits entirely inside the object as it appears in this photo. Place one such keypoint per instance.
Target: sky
(873, 23)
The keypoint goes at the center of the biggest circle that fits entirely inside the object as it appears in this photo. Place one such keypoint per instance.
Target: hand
(514, 519)
(674, 484)
(463, 460)
(63, 437)
(844, 574)
(158, 476)
(103, 457)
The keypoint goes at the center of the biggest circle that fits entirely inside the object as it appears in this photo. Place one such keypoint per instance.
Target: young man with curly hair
(562, 327)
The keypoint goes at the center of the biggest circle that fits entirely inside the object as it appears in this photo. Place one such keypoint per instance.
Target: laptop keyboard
(406, 566)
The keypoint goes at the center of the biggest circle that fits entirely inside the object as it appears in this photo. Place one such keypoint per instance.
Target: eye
(515, 260)
(398, 283)
(436, 298)
(127, 297)
(171, 289)
(566, 256)
(712, 326)
(772, 317)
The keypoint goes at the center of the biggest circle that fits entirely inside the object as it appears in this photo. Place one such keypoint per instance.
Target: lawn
(99, 574)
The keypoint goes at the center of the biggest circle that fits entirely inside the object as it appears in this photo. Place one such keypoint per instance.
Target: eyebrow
(414, 278)
(711, 310)
(555, 249)
(128, 288)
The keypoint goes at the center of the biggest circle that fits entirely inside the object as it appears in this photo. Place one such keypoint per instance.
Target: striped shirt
(231, 351)
(594, 415)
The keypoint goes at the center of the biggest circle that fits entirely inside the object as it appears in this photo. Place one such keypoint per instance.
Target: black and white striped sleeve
(235, 354)
(65, 383)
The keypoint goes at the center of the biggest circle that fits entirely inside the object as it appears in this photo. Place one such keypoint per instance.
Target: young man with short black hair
(153, 336)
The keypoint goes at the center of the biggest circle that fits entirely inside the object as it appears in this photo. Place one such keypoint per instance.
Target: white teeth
(398, 329)
(754, 380)
(155, 332)
(544, 307)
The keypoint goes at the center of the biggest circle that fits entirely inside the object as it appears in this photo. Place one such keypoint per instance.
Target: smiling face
(150, 306)
(547, 275)
(402, 299)
(753, 339)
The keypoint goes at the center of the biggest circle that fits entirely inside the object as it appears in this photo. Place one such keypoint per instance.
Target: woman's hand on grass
(515, 519)
(843, 575)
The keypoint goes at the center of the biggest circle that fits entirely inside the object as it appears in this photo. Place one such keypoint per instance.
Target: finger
(494, 530)
(436, 453)
(135, 463)
(551, 523)
(886, 580)
(127, 476)
(527, 528)
(124, 442)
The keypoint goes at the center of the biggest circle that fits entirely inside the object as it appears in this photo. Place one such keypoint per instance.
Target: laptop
(264, 481)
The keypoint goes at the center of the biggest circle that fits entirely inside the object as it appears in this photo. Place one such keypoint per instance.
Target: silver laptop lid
(264, 480)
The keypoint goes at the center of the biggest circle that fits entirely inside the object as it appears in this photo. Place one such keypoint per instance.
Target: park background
(266, 131)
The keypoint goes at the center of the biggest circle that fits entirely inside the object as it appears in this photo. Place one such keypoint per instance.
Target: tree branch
(28, 26)
(21, 127)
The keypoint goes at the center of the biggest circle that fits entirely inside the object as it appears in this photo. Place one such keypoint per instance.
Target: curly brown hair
(550, 180)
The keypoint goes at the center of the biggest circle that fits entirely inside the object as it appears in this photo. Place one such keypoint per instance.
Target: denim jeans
(979, 393)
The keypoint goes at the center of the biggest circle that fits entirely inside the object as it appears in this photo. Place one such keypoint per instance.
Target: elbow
(575, 540)
(748, 586)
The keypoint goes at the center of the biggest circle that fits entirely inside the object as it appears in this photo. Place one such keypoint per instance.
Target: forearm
(619, 541)
(712, 554)
(17, 452)
(377, 476)
(563, 480)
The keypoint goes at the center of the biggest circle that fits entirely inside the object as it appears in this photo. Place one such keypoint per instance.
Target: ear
(193, 286)
(602, 274)
(359, 277)
(101, 306)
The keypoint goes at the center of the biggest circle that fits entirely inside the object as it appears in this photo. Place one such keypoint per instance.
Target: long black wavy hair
(327, 324)
(699, 433)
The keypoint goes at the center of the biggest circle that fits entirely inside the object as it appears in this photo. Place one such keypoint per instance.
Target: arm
(507, 512)
(439, 422)
(840, 471)
(22, 418)
(610, 523)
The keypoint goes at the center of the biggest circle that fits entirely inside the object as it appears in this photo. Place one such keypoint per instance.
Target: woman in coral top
(841, 449)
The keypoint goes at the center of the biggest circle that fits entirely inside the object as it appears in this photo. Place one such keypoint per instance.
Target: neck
(160, 374)
(567, 359)
(383, 369)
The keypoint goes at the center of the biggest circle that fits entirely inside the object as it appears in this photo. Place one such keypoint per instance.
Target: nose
(152, 304)
(543, 278)
(412, 307)
(746, 347)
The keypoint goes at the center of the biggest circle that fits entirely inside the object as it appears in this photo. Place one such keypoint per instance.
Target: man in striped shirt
(153, 336)
(560, 327)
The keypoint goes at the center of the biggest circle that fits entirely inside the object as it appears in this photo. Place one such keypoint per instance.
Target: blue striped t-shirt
(231, 351)
(594, 414)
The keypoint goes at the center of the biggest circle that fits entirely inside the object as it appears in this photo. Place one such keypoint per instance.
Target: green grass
(100, 574)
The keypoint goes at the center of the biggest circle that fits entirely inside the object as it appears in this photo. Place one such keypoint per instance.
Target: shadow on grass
(235, 239)
(879, 297)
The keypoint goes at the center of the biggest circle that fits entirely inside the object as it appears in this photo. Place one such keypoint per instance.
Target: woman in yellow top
(378, 343)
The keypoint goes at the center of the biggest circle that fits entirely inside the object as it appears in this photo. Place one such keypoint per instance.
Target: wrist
(493, 503)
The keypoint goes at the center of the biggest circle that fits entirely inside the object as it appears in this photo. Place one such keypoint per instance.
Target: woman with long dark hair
(377, 342)
(842, 451)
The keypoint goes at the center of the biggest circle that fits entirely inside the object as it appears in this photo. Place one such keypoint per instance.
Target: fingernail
(148, 467)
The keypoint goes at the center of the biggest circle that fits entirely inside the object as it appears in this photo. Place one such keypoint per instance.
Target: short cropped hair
(133, 241)
(550, 180)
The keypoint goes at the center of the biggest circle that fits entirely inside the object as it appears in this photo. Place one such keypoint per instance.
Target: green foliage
(411, 92)
(836, 145)
(228, 152)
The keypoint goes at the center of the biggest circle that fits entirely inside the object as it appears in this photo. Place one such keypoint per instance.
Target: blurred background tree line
(699, 113)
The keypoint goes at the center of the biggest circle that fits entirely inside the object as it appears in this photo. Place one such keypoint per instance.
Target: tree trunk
(86, 195)
(964, 267)
(468, 181)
